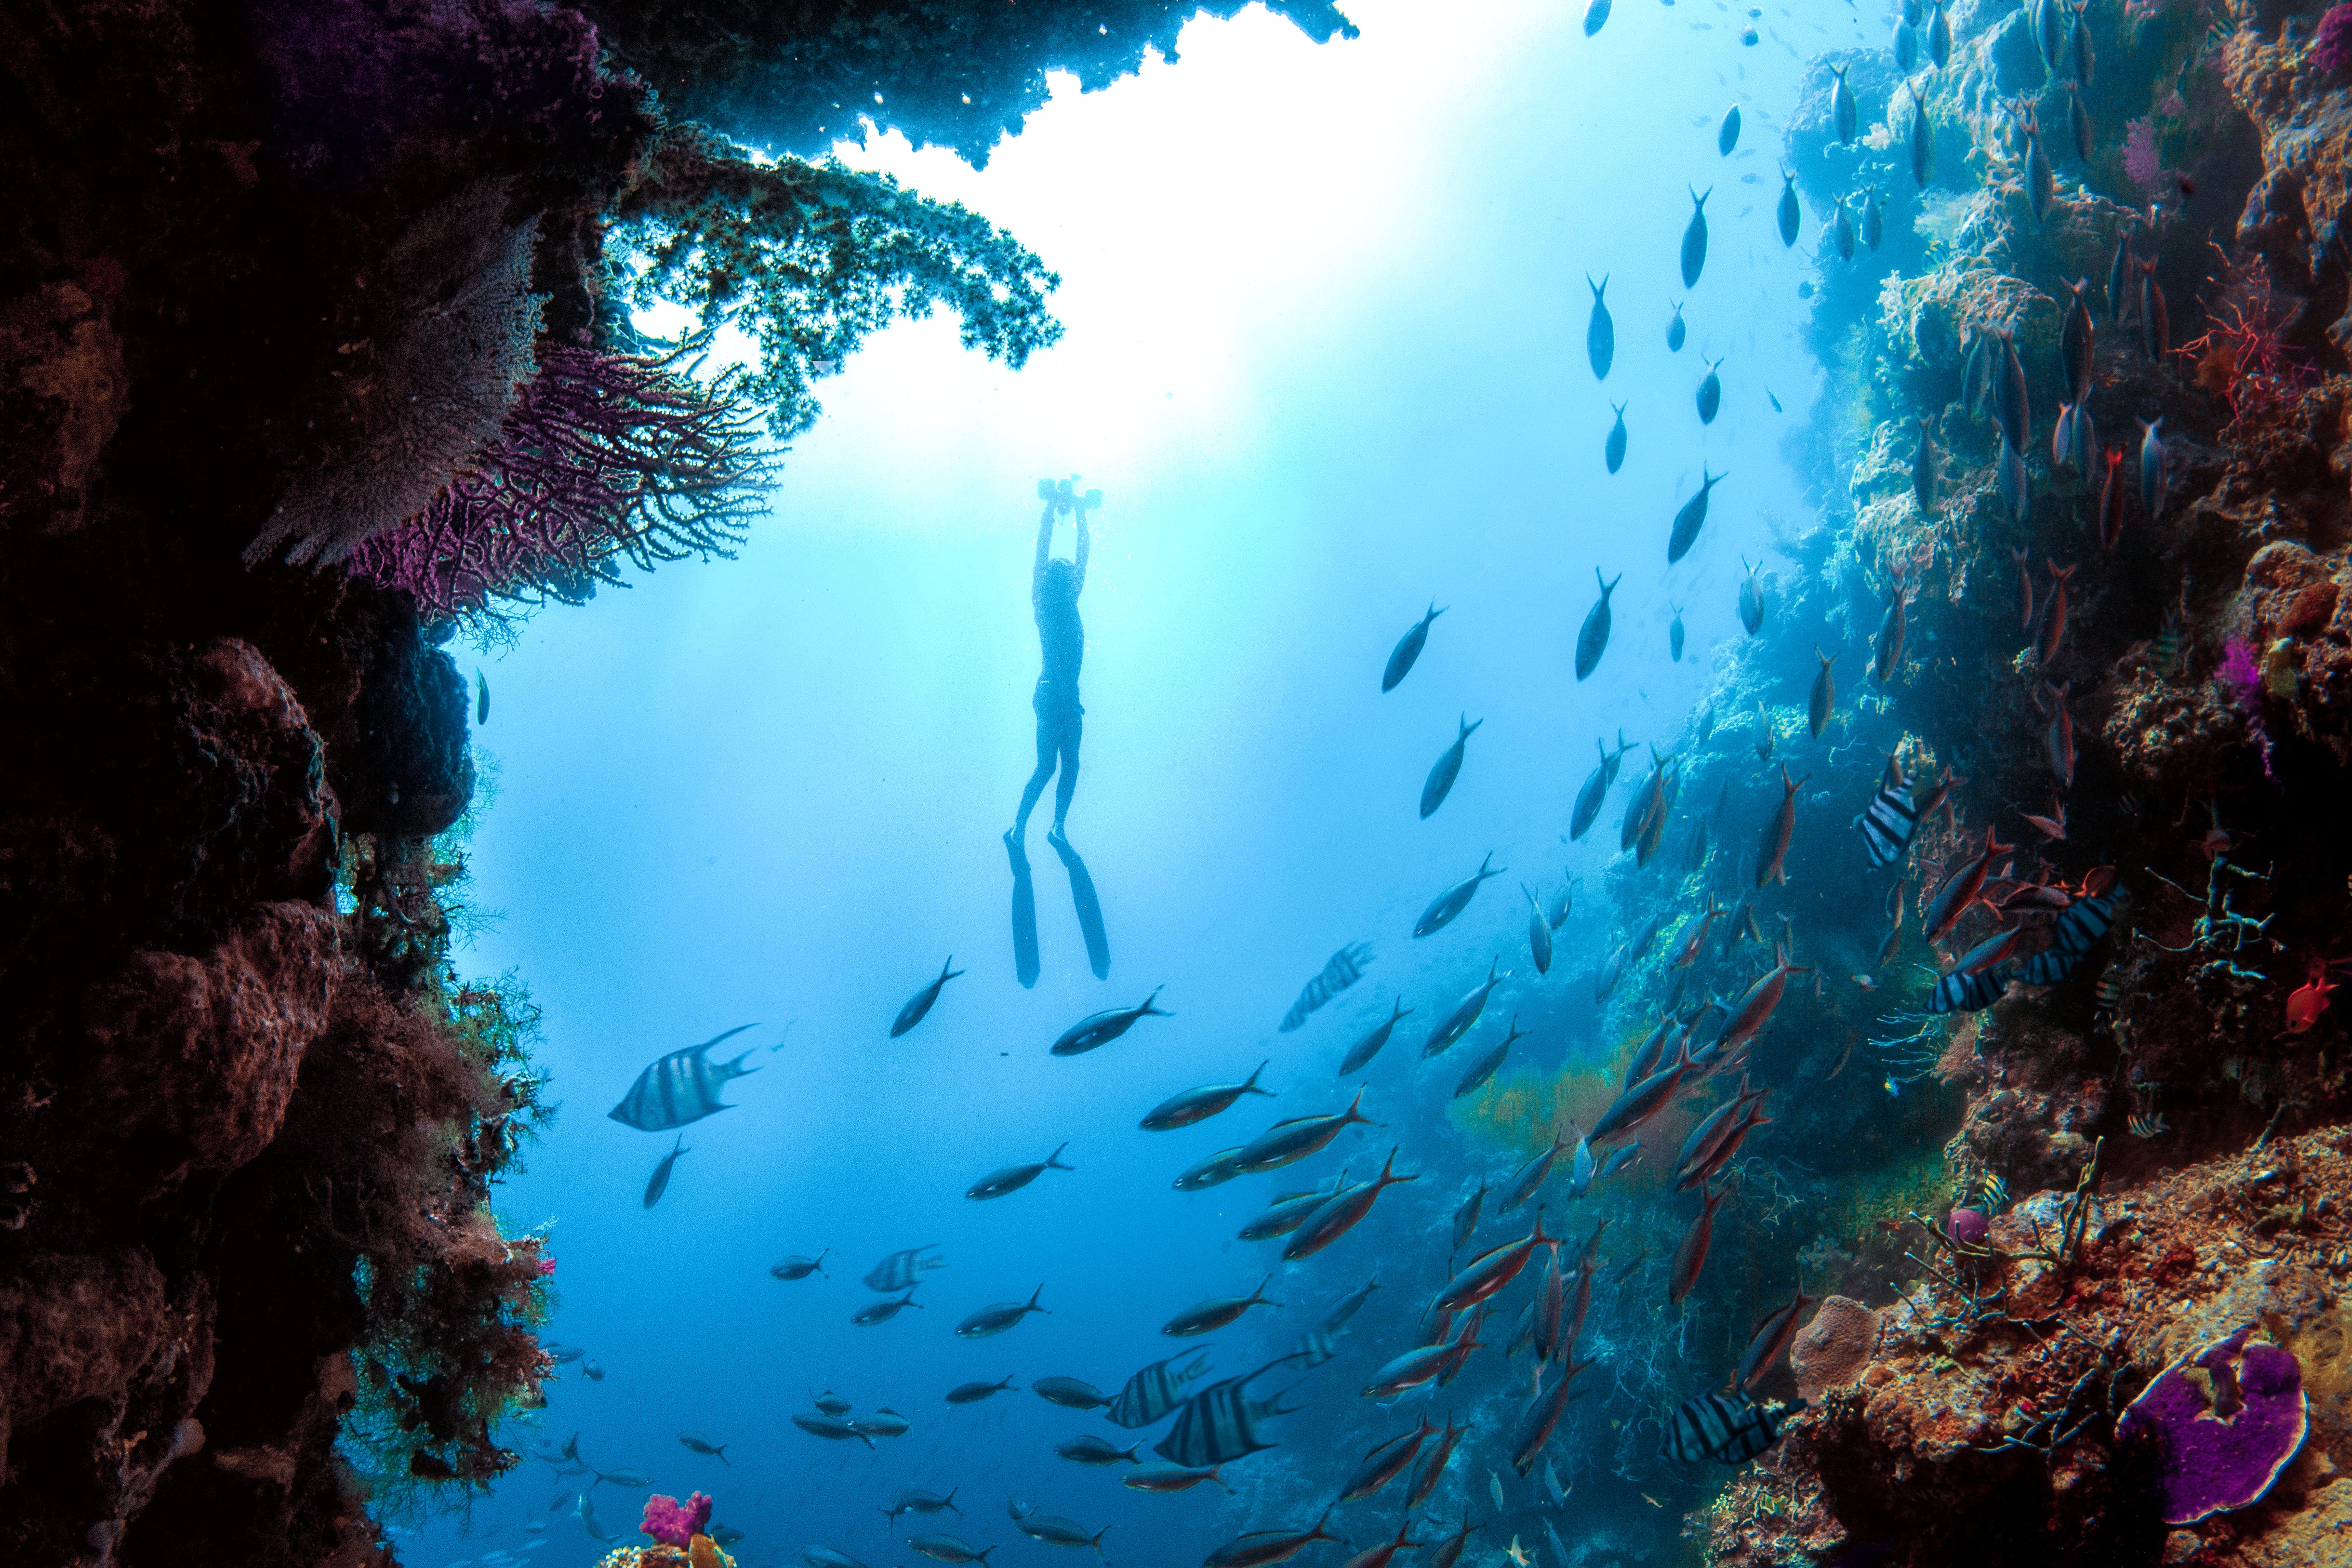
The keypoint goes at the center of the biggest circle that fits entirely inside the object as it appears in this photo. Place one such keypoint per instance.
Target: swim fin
(1024, 915)
(1082, 894)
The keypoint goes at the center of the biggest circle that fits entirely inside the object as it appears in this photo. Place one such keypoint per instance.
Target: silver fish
(1695, 238)
(1874, 220)
(1013, 1178)
(1444, 908)
(1612, 450)
(1939, 38)
(1726, 135)
(1923, 138)
(1195, 1105)
(883, 1312)
(660, 1182)
(999, 1317)
(1445, 770)
(919, 1006)
(1788, 212)
(1843, 112)
(2151, 468)
(1100, 1029)
(1601, 331)
(1539, 932)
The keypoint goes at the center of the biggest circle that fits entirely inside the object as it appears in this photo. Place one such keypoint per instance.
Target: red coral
(2242, 357)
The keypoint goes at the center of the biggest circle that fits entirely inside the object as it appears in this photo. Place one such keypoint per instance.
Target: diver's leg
(1069, 784)
(1047, 749)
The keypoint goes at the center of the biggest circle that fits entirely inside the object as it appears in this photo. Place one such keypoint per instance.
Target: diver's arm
(1083, 541)
(1044, 547)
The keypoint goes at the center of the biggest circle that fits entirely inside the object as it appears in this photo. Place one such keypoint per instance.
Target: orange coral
(1833, 1348)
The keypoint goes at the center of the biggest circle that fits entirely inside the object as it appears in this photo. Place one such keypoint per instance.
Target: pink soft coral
(2240, 672)
(673, 1525)
(2331, 47)
(2141, 159)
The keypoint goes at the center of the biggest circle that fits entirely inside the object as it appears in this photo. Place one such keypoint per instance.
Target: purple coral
(2142, 162)
(602, 456)
(2225, 1435)
(672, 1524)
(2331, 47)
(1969, 1228)
(2241, 672)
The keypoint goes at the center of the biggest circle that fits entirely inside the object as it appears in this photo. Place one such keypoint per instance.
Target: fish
(1290, 1211)
(1442, 772)
(1088, 1449)
(1874, 219)
(1593, 638)
(1677, 332)
(1422, 1363)
(1381, 1553)
(1466, 1216)
(2058, 741)
(2054, 619)
(947, 1549)
(2155, 320)
(2024, 588)
(1490, 1064)
(799, 1267)
(1494, 1489)
(830, 1404)
(2077, 339)
(1600, 333)
(1710, 397)
(1459, 1022)
(1906, 48)
(2083, 439)
(696, 1442)
(1843, 112)
(1923, 468)
(1691, 1255)
(1197, 1105)
(1841, 230)
(1339, 1214)
(1539, 932)
(1772, 849)
(913, 1499)
(1099, 1029)
(2049, 34)
(1772, 1340)
(1732, 1432)
(2012, 409)
(2053, 826)
(1386, 1461)
(1976, 376)
(1265, 1546)
(659, 1184)
(1338, 1316)
(1890, 818)
(1939, 38)
(1822, 699)
(1407, 651)
(1751, 598)
(1596, 16)
(885, 1422)
(1220, 1423)
(2076, 932)
(2062, 438)
(1222, 1166)
(1432, 1468)
(1152, 1393)
(1207, 1317)
(1710, 1135)
(623, 1478)
(1444, 908)
(883, 1312)
(997, 1316)
(2041, 178)
(1961, 888)
(1527, 1181)
(1644, 1099)
(1590, 798)
(681, 1087)
(1340, 970)
(1756, 1007)
(586, 1511)
(827, 1557)
(1787, 214)
(1361, 1054)
(1962, 992)
(1490, 1271)
(1013, 1178)
(1922, 138)
(1540, 1418)
(1887, 655)
(481, 699)
(1693, 515)
(1773, 400)
(1612, 450)
(831, 1427)
(973, 1393)
(920, 1004)
(898, 1270)
(1289, 1141)
(2151, 468)
(2083, 58)
(1695, 238)
(1164, 1477)
(1690, 949)
(1056, 1530)
(1675, 633)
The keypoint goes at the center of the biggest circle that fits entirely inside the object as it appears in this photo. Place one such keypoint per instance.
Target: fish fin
(1053, 1161)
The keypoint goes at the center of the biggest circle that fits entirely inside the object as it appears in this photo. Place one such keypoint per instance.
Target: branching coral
(603, 458)
(810, 258)
(2242, 357)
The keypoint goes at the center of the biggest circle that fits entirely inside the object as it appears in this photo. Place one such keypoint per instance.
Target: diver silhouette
(1053, 588)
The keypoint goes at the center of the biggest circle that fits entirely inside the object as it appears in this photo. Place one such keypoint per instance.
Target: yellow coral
(702, 1552)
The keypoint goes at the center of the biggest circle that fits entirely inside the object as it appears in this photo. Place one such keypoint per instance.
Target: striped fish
(897, 1271)
(1347, 967)
(1889, 820)
(1961, 991)
(1220, 1423)
(682, 1086)
(1732, 1432)
(1315, 1349)
(2077, 932)
(1154, 1392)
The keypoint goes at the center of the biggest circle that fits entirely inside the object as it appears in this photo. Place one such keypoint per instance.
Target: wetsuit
(1053, 589)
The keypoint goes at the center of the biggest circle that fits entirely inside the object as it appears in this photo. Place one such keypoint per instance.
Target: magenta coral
(602, 456)
(2331, 47)
(2241, 672)
(672, 1524)
(1969, 1228)
(2141, 159)
(2227, 1417)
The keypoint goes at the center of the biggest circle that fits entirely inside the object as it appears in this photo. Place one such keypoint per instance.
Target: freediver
(1053, 588)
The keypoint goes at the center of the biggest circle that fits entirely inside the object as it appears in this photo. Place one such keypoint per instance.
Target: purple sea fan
(2141, 159)
(602, 456)
(2241, 672)
(2331, 46)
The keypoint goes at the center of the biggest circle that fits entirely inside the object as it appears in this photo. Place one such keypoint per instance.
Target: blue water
(1326, 313)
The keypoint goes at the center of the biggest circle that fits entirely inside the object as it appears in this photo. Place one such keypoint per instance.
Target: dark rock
(409, 773)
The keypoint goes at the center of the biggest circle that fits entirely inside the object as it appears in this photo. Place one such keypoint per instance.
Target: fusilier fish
(1466, 1216)
(1089, 1449)
(1788, 211)
(1163, 1477)
(1596, 16)
(1844, 114)
(2076, 339)
(1337, 1318)
(1445, 770)
(1821, 702)
(1100, 1029)
(1432, 1468)
(2120, 276)
(1600, 333)
(1675, 633)
(1265, 1546)
(2014, 492)
(947, 1549)
(2058, 742)
(2011, 409)
(883, 1312)
(1407, 651)
(1444, 908)
(1013, 1178)
(1593, 639)
(1923, 135)
(1690, 1257)
(2155, 320)
(1959, 889)
(1457, 1023)
(973, 1393)
(1339, 1214)
(2053, 619)
(1873, 218)
(1906, 48)
(2078, 121)
(1195, 1105)
(1939, 38)
(1290, 1211)
(1771, 1342)
(1888, 657)
(798, 1268)
(2112, 493)
(1676, 332)
(1490, 1271)
(919, 1006)
(1490, 1064)
(1726, 135)
(884, 1422)
(1751, 599)
(2048, 32)
(1222, 1166)
(2041, 178)
(1695, 238)
(1693, 515)
(481, 699)
(997, 1318)
(2085, 58)
(1540, 1419)
(1841, 230)
(1361, 1054)
(831, 1428)
(1053, 1531)
(1756, 1008)
(1288, 1142)
(1539, 932)
(1387, 1461)
(1772, 849)
(1612, 450)
(2151, 468)
(1710, 392)
(660, 1182)
(1207, 1317)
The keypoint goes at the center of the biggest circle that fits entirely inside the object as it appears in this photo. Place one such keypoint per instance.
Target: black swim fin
(1082, 894)
(1025, 916)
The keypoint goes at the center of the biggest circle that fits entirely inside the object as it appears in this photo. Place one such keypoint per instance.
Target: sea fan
(2141, 159)
(2241, 672)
